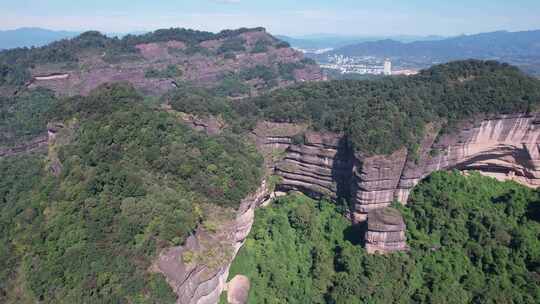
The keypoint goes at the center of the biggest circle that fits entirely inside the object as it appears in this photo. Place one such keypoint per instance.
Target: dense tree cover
(289, 255)
(383, 115)
(171, 71)
(261, 46)
(25, 116)
(232, 86)
(189, 36)
(234, 44)
(133, 180)
(262, 72)
(66, 50)
(473, 240)
(14, 75)
(199, 101)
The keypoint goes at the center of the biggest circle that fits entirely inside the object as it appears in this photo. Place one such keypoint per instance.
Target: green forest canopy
(473, 240)
(380, 116)
(124, 161)
(134, 180)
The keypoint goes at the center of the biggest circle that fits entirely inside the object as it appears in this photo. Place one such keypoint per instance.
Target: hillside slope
(99, 193)
(241, 62)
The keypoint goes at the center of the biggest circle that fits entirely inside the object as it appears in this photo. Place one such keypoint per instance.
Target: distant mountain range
(31, 36)
(34, 36)
(326, 41)
(519, 48)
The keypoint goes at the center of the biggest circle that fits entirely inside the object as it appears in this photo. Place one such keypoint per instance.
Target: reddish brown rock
(197, 271)
(505, 147)
(386, 231)
(238, 290)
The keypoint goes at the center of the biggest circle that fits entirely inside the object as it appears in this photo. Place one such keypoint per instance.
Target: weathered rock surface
(318, 167)
(198, 270)
(238, 290)
(505, 147)
(386, 231)
(374, 182)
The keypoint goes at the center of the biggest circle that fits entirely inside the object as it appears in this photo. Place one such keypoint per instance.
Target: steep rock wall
(198, 270)
(505, 147)
(319, 167)
(386, 231)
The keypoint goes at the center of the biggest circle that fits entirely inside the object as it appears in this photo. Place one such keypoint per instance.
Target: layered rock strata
(321, 164)
(320, 167)
(374, 182)
(386, 231)
(505, 147)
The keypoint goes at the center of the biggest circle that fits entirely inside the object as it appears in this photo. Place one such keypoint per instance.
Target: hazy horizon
(307, 36)
(347, 18)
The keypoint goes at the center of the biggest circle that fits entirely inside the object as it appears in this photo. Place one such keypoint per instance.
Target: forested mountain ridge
(237, 62)
(120, 181)
(395, 110)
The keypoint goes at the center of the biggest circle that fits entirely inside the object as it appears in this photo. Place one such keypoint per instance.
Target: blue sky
(348, 17)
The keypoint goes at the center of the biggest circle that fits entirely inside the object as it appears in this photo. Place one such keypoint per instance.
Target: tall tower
(387, 67)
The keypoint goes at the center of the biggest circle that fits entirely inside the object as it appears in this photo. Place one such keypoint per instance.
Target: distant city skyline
(346, 17)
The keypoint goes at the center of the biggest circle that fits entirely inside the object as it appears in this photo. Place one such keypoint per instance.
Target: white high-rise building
(387, 67)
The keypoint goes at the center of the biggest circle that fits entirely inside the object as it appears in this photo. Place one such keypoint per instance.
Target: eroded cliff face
(198, 270)
(386, 231)
(505, 147)
(320, 167)
(320, 164)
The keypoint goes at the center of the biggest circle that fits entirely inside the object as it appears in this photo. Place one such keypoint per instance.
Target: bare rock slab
(238, 290)
(386, 231)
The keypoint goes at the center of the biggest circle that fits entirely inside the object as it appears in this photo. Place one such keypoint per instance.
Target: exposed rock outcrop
(198, 270)
(374, 182)
(505, 147)
(319, 167)
(238, 290)
(211, 125)
(386, 231)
